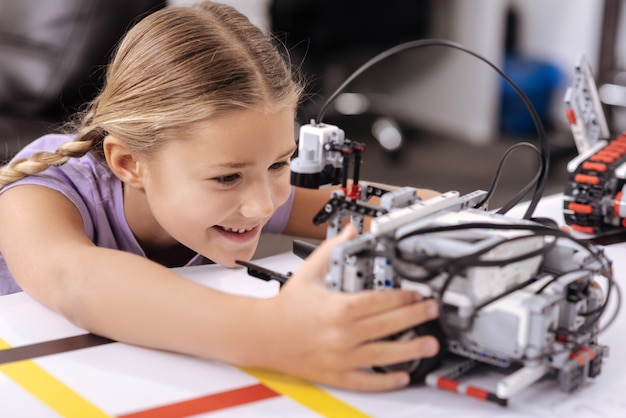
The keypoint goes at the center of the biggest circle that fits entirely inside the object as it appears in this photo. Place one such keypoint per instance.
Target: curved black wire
(496, 178)
(545, 150)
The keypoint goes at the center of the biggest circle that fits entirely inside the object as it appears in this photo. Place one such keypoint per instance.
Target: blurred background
(431, 117)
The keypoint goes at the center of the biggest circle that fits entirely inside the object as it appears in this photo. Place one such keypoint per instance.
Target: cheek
(186, 206)
(206, 209)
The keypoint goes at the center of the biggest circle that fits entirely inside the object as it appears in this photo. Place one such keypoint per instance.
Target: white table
(116, 379)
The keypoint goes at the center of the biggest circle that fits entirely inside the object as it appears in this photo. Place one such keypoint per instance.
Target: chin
(232, 264)
(230, 260)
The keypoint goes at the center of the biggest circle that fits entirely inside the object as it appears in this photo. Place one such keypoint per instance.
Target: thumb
(316, 264)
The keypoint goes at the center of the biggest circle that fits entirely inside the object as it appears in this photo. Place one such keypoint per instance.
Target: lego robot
(515, 295)
(595, 193)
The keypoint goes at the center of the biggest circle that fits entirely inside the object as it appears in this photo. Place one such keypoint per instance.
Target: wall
(461, 100)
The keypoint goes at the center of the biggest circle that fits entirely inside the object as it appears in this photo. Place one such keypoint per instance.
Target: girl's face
(214, 189)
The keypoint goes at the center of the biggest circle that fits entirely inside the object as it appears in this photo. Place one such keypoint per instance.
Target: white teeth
(237, 230)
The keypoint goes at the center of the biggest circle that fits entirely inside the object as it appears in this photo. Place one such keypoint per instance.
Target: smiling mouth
(235, 230)
(238, 235)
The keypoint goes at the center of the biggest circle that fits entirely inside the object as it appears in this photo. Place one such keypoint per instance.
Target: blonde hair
(176, 67)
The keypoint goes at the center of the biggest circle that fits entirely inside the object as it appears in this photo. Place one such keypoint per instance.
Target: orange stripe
(602, 158)
(475, 392)
(580, 208)
(209, 403)
(447, 384)
(617, 147)
(590, 353)
(599, 167)
(609, 153)
(579, 358)
(585, 178)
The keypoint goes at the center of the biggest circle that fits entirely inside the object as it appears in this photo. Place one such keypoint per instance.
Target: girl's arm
(306, 331)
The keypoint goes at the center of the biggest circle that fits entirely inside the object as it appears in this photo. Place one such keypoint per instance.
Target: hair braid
(40, 161)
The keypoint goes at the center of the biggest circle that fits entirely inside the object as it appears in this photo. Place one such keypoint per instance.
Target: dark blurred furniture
(422, 90)
(52, 59)
(325, 34)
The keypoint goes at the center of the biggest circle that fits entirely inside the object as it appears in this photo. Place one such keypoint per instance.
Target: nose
(258, 200)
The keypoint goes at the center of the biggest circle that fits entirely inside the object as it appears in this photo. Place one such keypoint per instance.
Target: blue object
(538, 80)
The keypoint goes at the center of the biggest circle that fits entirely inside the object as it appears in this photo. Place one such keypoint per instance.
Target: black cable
(473, 259)
(545, 150)
(486, 225)
(520, 195)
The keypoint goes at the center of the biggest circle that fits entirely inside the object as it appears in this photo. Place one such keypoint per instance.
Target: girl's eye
(227, 179)
(278, 166)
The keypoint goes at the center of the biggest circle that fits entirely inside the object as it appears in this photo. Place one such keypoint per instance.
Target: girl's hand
(333, 338)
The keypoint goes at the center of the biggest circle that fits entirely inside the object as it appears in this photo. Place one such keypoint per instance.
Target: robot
(595, 193)
(515, 295)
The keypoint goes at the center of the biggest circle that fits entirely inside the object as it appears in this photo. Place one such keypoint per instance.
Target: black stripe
(27, 352)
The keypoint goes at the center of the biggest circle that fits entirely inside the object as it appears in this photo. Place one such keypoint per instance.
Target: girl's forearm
(133, 300)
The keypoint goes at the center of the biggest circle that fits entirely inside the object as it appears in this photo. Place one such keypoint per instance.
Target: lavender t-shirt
(97, 194)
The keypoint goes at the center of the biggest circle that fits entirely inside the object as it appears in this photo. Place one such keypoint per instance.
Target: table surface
(116, 379)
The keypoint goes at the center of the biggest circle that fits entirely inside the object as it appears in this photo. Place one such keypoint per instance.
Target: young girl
(183, 157)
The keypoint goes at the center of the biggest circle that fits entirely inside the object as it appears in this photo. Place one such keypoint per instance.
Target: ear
(123, 162)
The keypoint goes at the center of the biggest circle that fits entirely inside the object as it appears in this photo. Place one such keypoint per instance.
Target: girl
(185, 155)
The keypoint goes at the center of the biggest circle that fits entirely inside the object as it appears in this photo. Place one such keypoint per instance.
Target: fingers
(383, 353)
(395, 320)
(367, 381)
(370, 302)
(317, 263)
(388, 352)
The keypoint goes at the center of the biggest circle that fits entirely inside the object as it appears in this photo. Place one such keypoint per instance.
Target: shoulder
(86, 181)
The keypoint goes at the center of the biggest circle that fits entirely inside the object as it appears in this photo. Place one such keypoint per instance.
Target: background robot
(595, 194)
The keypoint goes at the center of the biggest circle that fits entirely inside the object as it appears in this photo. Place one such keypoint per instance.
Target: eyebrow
(243, 165)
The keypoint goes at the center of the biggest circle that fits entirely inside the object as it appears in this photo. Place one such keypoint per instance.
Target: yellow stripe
(48, 389)
(69, 404)
(305, 393)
